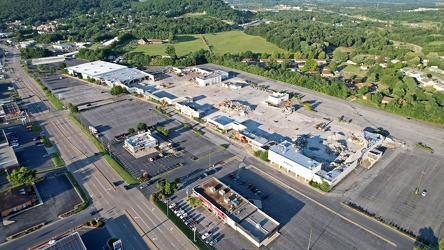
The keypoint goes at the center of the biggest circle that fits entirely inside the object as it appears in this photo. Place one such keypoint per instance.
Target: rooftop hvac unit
(212, 189)
(221, 192)
(227, 200)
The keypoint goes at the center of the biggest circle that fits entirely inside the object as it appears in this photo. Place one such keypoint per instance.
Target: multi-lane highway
(96, 176)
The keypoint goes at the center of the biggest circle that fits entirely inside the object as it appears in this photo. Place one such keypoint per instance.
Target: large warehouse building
(109, 73)
(290, 157)
(236, 211)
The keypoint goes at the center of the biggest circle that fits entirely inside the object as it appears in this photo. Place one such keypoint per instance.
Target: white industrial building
(290, 157)
(278, 98)
(224, 123)
(140, 142)
(62, 46)
(210, 77)
(188, 108)
(109, 73)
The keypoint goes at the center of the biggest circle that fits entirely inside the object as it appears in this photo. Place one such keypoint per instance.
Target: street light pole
(167, 206)
(194, 230)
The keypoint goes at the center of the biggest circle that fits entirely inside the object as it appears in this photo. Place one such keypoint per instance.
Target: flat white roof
(123, 75)
(291, 152)
(96, 68)
(140, 138)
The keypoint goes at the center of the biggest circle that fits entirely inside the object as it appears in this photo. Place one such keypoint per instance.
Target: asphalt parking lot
(116, 118)
(58, 197)
(28, 154)
(296, 214)
(390, 194)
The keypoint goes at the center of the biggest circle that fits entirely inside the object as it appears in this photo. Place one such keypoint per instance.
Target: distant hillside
(175, 8)
(43, 10)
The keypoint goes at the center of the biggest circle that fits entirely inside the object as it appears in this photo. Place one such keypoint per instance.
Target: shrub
(224, 146)
(262, 154)
(187, 125)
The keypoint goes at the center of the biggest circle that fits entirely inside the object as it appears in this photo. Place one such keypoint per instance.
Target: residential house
(142, 41)
(387, 99)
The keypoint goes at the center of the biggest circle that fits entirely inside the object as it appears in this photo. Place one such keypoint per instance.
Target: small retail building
(237, 212)
(16, 199)
(71, 241)
(188, 108)
(290, 156)
(224, 123)
(140, 142)
(277, 99)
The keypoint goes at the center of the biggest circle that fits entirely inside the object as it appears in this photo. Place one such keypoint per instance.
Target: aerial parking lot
(298, 216)
(390, 195)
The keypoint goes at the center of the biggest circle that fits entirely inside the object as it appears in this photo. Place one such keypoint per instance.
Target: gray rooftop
(259, 225)
(212, 75)
(223, 120)
(123, 75)
(292, 152)
(69, 242)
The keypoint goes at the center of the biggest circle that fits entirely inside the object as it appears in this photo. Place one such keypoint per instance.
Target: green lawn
(184, 45)
(57, 159)
(47, 142)
(79, 190)
(231, 41)
(36, 128)
(437, 43)
(238, 41)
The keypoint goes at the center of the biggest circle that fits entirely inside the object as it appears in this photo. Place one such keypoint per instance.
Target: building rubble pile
(233, 108)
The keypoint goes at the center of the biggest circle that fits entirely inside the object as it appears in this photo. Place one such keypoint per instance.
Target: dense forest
(45, 10)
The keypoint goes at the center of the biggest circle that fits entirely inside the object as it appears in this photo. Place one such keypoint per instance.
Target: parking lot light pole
(167, 207)
(194, 230)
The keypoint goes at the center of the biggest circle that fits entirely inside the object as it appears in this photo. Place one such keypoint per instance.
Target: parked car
(231, 176)
(258, 192)
(208, 240)
(242, 182)
(14, 145)
(172, 205)
(126, 187)
(160, 155)
(143, 186)
(116, 183)
(206, 235)
(174, 208)
(45, 155)
(94, 212)
(236, 178)
(424, 193)
(249, 186)
(264, 196)
(40, 145)
(151, 159)
(214, 241)
(37, 138)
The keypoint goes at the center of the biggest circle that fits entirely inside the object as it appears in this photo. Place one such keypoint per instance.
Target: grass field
(346, 49)
(184, 45)
(437, 43)
(238, 41)
(231, 41)
(57, 159)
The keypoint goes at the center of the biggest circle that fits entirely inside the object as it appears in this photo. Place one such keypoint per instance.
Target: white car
(151, 159)
(14, 145)
(206, 235)
(183, 215)
(172, 205)
(424, 193)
